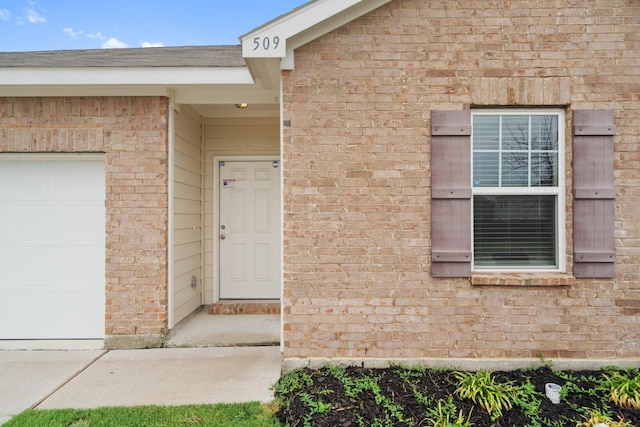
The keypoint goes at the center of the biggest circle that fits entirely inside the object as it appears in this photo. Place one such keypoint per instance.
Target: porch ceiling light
(241, 105)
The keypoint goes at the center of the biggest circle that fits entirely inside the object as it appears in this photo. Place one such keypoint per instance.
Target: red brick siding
(132, 132)
(357, 180)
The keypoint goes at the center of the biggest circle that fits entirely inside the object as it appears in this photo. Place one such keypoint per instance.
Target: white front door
(52, 247)
(249, 229)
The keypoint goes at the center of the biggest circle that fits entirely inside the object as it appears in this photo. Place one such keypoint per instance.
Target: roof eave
(187, 83)
(144, 76)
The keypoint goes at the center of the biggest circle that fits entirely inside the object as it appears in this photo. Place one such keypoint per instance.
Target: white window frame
(558, 191)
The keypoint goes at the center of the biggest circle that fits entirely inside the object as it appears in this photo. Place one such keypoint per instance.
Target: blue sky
(30, 25)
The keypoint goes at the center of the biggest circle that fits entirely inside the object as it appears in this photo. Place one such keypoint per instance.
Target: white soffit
(280, 37)
(125, 81)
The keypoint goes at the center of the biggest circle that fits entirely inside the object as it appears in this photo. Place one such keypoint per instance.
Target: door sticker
(228, 183)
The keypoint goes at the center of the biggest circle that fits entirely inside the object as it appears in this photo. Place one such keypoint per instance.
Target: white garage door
(52, 247)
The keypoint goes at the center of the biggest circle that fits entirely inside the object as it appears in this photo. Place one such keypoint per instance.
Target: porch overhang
(186, 85)
(211, 78)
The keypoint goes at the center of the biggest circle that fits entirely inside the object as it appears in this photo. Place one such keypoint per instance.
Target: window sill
(522, 279)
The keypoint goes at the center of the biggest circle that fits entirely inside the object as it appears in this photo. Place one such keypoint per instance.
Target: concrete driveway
(48, 379)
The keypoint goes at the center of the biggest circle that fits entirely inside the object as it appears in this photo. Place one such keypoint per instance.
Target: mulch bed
(367, 409)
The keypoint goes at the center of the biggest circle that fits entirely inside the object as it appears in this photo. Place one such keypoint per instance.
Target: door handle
(222, 237)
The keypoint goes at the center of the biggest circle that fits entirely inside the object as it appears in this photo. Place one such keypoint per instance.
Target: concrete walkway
(48, 379)
(206, 330)
(209, 359)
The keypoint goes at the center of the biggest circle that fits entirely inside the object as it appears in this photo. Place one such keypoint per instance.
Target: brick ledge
(522, 279)
(290, 363)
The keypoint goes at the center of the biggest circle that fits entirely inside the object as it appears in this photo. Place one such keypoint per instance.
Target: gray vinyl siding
(187, 227)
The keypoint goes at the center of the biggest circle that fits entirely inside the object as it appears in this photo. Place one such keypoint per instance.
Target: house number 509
(266, 43)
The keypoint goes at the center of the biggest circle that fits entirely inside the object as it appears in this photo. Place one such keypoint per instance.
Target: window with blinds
(516, 189)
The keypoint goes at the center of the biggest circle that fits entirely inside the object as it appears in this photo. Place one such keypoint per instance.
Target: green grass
(251, 414)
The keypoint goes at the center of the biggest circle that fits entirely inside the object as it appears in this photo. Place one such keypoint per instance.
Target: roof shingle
(187, 56)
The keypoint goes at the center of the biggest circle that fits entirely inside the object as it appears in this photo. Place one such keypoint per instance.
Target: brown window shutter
(593, 194)
(451, 193)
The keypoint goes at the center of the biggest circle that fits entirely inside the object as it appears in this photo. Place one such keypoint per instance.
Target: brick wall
(356, 180)
(132, 132)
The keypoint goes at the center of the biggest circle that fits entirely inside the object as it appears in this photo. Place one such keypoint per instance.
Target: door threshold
(245, 307)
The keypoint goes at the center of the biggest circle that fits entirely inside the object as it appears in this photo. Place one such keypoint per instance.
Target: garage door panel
(52, 240)
(76, 320)
(84, 216)
(50, 268)
(83, 269)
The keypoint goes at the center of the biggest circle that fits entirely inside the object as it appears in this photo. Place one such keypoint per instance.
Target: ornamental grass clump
(596, 418)
(482, 389)
(625, 388)
(445, 416)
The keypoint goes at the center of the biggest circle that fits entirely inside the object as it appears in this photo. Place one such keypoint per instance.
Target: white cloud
(71, 32)
(77, 34)
(4, 15)
(157, 44)
(34, 17)
(114, 43)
